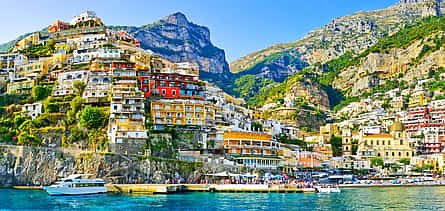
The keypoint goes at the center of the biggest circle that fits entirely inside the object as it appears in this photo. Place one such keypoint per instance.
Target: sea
(392, 198)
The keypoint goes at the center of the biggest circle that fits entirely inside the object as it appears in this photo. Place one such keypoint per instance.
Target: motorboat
(327, 189)
(77, 184)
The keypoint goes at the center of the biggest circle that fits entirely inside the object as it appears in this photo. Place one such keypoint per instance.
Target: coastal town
(86, 87)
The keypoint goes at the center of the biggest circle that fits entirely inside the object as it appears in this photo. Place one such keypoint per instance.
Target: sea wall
(43, 166)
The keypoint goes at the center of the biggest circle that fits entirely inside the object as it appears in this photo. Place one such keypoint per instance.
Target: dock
(180, 188)
(28, 187)
(177, 188)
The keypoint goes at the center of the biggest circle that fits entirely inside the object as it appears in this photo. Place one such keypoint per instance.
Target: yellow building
(21, 87)
(253, 150)
(182, 112)
(28, 41)
(32, 70)
(419, 98)
(437, 160)
(329, 129)
(142, 60)
(389, 146)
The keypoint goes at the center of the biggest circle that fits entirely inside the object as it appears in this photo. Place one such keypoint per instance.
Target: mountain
(179, 40)
(353, 33)
(414, 53)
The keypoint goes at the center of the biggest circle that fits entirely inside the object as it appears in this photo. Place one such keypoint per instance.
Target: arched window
(378, 154)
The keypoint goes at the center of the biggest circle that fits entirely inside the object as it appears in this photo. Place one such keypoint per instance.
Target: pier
(176, 188)
(180, 188)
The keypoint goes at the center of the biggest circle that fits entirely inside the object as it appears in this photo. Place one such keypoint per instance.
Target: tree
(76, 104)
(377, 162)
(405, 161)
(49, 106)
(18, 120)
(28, 140)
(93, 118)
(40, 92)
(336, 143)
(79, 87)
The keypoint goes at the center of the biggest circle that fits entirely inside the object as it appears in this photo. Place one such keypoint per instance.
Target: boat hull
(60, 191)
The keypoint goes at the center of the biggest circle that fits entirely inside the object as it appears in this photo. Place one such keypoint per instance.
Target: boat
(77, 184)
(327, 189)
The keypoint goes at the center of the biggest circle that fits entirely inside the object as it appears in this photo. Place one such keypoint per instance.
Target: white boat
(327, 189)
(77, 184)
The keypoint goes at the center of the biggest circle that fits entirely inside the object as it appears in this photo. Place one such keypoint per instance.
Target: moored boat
(77, 184)
(327, 189)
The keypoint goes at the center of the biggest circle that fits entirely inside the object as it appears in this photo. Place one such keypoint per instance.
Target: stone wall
(43, 166)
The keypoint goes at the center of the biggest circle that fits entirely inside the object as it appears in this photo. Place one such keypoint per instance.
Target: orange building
(252, 150)
(58, 26)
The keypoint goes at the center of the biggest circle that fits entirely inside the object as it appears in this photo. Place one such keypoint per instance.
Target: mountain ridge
(355, 32)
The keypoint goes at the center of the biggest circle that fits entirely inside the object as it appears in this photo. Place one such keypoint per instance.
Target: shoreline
(232, 188)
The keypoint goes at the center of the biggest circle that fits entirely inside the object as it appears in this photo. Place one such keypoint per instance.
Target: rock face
(399, 63)
(179, 40)
(353, 33)
(39, 166)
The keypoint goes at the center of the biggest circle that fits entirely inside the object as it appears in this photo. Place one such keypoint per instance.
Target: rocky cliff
(42, 166)
(414, 61)
(353, 33)
(179, 40)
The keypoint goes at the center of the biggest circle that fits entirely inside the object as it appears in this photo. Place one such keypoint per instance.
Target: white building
(66, 80)
(98, 87)
(87, 55)
(32, 110)
(85, 16)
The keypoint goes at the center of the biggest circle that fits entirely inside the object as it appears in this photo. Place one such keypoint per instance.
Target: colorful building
(252, 150)
(419, 98)
(58, 26)
(172, 83)
(193, 113)
(126, 129)
(21, 86)
(389, 146)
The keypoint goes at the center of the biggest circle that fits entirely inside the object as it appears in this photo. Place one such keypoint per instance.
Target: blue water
(397, 198)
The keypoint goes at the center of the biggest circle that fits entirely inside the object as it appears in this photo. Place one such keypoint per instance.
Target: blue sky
(237, 26)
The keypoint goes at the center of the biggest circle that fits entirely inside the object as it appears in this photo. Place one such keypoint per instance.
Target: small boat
(77, 184)
(327, 189)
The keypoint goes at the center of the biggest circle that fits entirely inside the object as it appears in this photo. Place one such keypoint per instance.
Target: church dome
(396, 126)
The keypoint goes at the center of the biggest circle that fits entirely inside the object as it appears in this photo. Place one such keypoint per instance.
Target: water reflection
(397, 198)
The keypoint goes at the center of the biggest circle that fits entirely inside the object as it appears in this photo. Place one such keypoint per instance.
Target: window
(174, 92)
(164, 92)
(401, 142)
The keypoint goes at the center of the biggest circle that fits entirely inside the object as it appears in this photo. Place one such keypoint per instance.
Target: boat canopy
(78, 176)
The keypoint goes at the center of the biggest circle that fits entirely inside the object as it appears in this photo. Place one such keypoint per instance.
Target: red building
(58, 26)
(171, 84)
(309, 159)
(110, 65)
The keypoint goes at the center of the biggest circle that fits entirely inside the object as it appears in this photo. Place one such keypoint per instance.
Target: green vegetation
(40, 50)
(401, 39)
(93, 118)
(377, 161)
(250, 87)
(405, 161)
(336, 143)
(424, 167)
(41, 92)
(284, 56)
